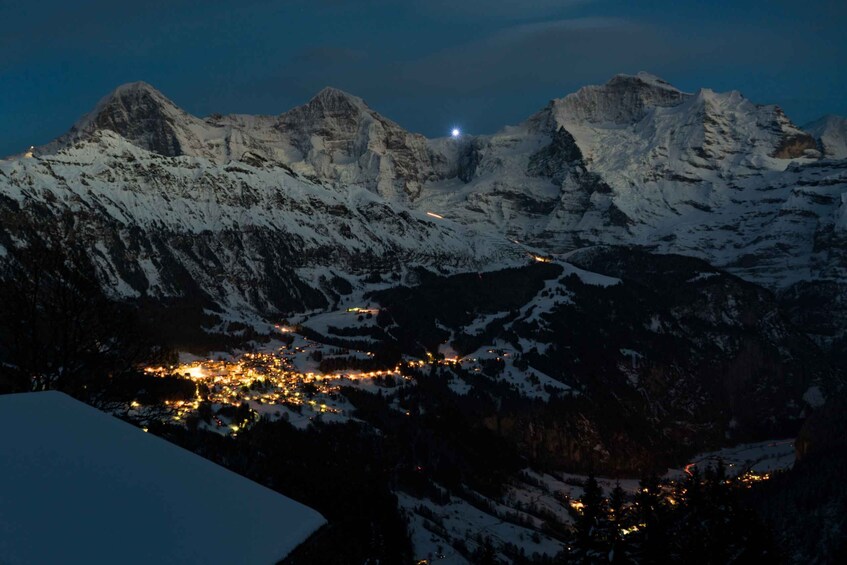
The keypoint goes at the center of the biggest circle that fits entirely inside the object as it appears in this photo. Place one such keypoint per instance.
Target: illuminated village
(272, 386)
(283, 379)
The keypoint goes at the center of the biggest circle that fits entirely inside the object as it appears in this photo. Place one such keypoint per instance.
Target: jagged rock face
(140, 114)
(137, 115)
(580, 190)
(470, 157)
(793, 144)
(623, 100)
(831, 135)
(345, 142)
(556, 160)
(335, 138)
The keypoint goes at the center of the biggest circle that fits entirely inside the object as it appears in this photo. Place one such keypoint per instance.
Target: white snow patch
(70, 470)
(814, 397)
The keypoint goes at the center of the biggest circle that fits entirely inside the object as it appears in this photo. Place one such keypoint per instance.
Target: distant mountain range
(280, 213)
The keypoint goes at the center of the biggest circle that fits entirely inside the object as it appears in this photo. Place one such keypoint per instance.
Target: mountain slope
(831, 133)
(638, 161)
(634, 354)
(340, 138)
(238, 235)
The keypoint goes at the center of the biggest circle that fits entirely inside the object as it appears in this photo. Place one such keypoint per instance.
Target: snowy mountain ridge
(636, 161)
(242, 236)
(335, 137)
(633, 161)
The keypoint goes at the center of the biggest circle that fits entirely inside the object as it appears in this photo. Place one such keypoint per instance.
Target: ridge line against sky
(424, 64)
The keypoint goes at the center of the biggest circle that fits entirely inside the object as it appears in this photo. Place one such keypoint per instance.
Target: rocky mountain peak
(343, 140)
(332, 97)
(332, 114)
(623, 99)
(329, 104)
(137, 88)
(131, 102)
(137, 112)
(641, 78)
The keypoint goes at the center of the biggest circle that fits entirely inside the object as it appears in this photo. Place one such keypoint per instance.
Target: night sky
(427, 64)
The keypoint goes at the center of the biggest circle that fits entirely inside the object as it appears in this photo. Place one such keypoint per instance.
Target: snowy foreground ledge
(80, 486)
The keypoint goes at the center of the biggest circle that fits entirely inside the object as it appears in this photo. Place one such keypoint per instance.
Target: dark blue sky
(427, 64)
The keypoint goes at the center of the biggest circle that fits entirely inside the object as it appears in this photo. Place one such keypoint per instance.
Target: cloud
(463, 9)
(529, 56)
(518, 56)
(486, 83)
(511, 71)
(518, 9)
(328, 55)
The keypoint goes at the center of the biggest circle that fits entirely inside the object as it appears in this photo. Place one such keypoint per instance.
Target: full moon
(455, 132)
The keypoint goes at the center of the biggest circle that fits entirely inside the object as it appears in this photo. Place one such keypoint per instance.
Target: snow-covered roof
(80, 486)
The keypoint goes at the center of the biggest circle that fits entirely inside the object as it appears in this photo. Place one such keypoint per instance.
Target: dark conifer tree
(619, 552)
(651, 538)
(591, 523)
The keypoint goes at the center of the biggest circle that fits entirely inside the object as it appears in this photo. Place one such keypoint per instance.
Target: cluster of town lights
(271, 384)
(264, 379)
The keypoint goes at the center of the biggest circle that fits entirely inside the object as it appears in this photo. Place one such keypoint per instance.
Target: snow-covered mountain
(143, 116)
(243, 234)
(831, 133)
(333, 183)
(638, 161)
(334, 138)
